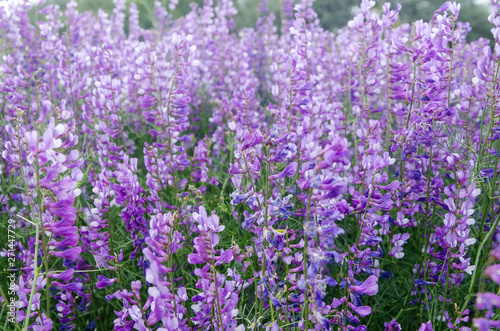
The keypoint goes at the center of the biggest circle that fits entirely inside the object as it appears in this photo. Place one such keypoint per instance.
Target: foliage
(166, 168)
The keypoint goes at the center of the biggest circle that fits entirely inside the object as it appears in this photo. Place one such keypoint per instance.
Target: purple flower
(74, 287)
(70, 254)
(42, 324)
(392, 326)
(207, 223)
(426, 327)
(398, 241)
(333, 189)
(65, 275)
(251, 140)
(103, 282)
(369, 286)
(323, 321)
(147, 101)
(289, 171)
(493, 271)
(361, 310)
(334, 152)
(423, 282)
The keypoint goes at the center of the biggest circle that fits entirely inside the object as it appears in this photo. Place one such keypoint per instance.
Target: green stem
(217, 306)
(492, 104)
(256, 297)
(358, 236)
(445, 289)
(290, 104)
(35, 277)
(306, 240)
(451, 62)
(402, 164)
(40, 211)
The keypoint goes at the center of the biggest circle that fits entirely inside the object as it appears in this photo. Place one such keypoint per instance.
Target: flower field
(192, 176)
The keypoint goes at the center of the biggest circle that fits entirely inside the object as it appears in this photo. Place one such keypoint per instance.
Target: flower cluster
(351, 179)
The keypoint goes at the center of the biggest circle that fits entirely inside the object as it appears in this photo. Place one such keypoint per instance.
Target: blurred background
(333, 14)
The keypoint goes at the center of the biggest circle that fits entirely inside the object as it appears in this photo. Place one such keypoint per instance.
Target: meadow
(192, 176)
